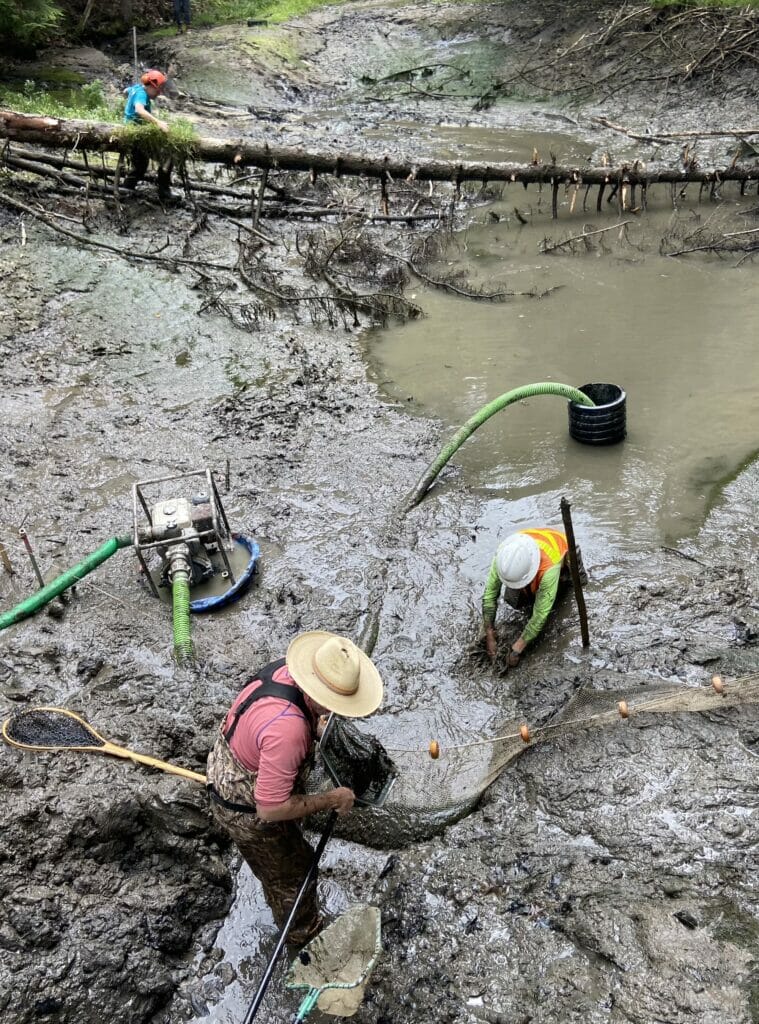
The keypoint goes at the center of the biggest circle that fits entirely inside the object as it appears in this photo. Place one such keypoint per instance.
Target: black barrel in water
(603, 423)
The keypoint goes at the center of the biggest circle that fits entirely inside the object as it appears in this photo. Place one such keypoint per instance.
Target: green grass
(60, 76)
(218, 12)
(86, 102)
(179, 143)
(161, 33)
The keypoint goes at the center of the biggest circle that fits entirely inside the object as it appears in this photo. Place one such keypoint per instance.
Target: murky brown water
(677, 334)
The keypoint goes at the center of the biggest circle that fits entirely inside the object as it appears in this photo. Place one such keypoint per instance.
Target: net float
(434, 749)
(524, 732)
(624, 711)
(719, 686)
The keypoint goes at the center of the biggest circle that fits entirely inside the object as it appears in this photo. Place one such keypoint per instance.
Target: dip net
(449, 776)
(357, 760)
(51, 729)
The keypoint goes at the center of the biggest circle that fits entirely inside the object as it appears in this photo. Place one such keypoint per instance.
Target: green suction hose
(527, 391)
(180, 595)
(67, 579)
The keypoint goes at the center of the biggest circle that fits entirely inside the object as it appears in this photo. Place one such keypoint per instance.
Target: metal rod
(134, 47)
(218, 503)
(175, 476)
(575, 571)
(146, 571)
(217, 507)
(27, 544)
(310, 875)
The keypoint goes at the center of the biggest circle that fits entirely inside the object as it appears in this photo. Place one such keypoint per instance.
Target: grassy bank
(84, 101)
(219, 12)
(88, 103)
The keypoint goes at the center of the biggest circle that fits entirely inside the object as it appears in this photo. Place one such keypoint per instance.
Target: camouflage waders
(275, 851)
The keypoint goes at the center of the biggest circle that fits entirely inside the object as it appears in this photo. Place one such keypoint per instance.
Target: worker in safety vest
(258, 765)
(529, 566)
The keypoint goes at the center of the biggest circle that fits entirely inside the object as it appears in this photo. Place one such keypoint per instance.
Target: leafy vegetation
(86, 102)
(215, 12)
(26, 22)
(89, 104)
(178, 144)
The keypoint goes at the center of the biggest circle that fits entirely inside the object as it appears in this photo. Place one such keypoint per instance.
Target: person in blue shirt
(137, 112)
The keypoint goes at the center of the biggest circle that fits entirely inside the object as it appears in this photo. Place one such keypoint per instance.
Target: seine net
(462, 771)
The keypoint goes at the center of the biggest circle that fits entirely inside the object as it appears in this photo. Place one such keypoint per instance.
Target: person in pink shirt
(262, 752)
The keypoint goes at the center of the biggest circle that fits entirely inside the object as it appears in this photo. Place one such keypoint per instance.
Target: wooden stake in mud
(575, 570)
(5, 559)
(27, 544)
(260, 203)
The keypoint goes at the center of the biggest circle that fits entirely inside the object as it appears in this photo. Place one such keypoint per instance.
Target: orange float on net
(624, 711)
(719, 686)
(434, 749)
(524, 732)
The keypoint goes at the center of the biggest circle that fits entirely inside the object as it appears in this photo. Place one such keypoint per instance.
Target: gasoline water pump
(181, 520)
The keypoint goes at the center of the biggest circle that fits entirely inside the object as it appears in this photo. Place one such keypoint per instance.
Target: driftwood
(81, 136)
(725, 133)
(549, 246)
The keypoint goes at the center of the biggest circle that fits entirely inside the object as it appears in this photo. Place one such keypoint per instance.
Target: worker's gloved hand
(342, 800)
(513, 658)
(491, 645)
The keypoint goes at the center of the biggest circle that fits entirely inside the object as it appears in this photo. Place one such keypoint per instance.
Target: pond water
(678, 335)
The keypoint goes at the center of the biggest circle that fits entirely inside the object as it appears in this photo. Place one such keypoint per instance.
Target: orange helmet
(154, 78)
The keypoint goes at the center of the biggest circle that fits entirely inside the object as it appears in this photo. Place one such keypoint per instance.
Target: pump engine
(186, 533)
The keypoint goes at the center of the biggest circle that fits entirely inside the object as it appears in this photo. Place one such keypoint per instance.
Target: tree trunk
(58, 133)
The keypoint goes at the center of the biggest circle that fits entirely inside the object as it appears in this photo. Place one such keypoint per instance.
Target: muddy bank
(95, 401)
(608, 877)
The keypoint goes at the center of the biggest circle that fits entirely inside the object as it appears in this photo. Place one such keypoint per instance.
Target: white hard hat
(517, 560)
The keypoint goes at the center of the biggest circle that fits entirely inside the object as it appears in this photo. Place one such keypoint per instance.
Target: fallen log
(56, 172)
(58, 133)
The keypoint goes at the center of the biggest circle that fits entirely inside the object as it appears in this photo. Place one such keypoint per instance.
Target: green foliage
(86, 102)
(282, 10)
(92, 97)
(178, 144)
(216, 12)
(26, 22)
(59, 76)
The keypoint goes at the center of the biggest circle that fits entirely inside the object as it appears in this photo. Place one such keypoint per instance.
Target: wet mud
(610, 876)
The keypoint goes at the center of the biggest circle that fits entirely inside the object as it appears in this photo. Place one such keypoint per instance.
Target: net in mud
(461, 772)
(358, 761)
(50, 728)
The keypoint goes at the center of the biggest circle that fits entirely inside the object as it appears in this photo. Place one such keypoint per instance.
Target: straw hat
(334, 673)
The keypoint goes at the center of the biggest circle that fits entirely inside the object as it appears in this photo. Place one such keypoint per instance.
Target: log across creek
(91, 136)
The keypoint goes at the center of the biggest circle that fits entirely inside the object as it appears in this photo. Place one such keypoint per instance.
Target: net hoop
(8, 723)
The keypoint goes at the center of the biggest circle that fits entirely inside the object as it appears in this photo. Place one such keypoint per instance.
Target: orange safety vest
(553, 546)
